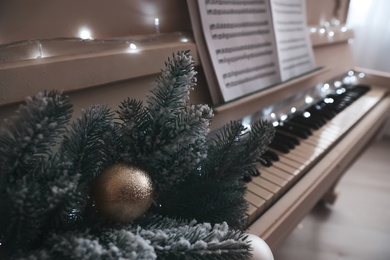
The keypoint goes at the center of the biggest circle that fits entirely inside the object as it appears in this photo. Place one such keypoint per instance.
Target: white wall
(370, 20)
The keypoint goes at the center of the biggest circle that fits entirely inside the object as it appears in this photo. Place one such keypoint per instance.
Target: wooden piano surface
(110, 73)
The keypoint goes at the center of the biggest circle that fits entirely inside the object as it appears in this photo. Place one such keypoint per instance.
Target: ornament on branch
(122, 192)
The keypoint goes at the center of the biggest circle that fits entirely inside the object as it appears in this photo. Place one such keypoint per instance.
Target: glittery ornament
(122, 192)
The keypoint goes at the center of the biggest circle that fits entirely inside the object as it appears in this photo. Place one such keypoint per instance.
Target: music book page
(295, 53)
(242, 42)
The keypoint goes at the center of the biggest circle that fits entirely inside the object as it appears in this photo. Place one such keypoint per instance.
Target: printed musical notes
(247, 49)
(294, 48)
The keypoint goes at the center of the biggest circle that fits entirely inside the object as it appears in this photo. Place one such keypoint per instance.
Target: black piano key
(291, 138)
(311, 121)
(280, 139)
(343, 100)
(295, 130)
(363, 89)
(246, 178)
(256, 173)
(271, 155)
(321, 108)
(279, 147)
(266, 162)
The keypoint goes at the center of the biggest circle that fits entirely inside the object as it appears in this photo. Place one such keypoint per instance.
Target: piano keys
(306, 163)
(301, 140)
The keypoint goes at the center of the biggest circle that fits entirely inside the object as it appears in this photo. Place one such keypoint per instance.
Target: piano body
(118, 64)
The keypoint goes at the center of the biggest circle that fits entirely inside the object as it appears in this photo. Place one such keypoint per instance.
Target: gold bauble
(122, 192)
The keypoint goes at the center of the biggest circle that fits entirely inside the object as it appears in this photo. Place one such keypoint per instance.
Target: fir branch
(21, 222)
(173, 85)
(195, 241)
(224, 149)
(207, 201)
(259, 137)
(168, 137)
(169, 96)
(92, 143)
(182, 145)
(31, 133)
(85, 144)
(62, 192)
(27, 141)
(135, 122)
(215, 192)
(110, 245)
(236, 151)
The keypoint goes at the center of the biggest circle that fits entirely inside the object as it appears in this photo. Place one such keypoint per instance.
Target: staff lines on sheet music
(294, 47)
(226, 36)
(243, 48)
(302, 39)
(244, 57)
(294, 22)
(235, 11)
(298, 5)
(233, 2)
(296, 29)
(288, 11)
(296, 58)
(247, 70)
(217, 26)
(297, 65)
(248, 79)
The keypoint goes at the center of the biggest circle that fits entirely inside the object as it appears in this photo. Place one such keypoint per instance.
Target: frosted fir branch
(27, 141)
(189, 240)
(110, 245)
(135, 122)
(188, 126)
(236, 151)
(176, 239)
(257, 141)
(173, 85)
(206, 200)
(21, 218)
(85, 143)
(35, 206)
(92, 143)
(131, 111)
(135, 118)
(168, 137)
(170, 95)
(180, 147)
(224, 148)
(32, 132)
(196, 240)
(63, 194)
(232, 154)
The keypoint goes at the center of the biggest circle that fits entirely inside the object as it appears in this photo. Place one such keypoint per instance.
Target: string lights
(85, 42)
(45, 48)
(328, 32)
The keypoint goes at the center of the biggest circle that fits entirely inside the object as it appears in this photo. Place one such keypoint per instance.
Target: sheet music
(241, 43)
(295, 52)
(251, 44)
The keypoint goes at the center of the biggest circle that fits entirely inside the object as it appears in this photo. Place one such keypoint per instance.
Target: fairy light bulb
(132, 46)
(85, 33)
(40, 50)
(157, 25)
